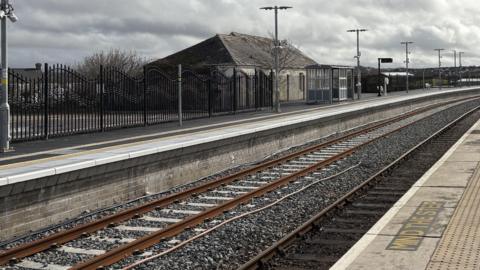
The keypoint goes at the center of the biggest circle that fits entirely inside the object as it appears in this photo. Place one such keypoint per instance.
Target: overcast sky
(64, 31)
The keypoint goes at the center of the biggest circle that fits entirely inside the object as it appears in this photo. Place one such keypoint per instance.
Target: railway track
(322, 240)
(134, 230)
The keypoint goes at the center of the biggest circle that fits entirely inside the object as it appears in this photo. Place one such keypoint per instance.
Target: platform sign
(386, 60)
(410, 236)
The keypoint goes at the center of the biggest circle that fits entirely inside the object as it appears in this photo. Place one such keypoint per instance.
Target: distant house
(245, 53)
(29, 73)
(20, 83)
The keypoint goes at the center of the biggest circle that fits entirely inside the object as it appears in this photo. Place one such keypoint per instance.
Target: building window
(301, 82)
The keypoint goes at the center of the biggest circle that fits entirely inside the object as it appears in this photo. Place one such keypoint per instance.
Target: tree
(128, 62)
(287, 53)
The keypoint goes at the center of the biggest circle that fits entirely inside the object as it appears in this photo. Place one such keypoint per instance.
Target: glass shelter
(326, 84)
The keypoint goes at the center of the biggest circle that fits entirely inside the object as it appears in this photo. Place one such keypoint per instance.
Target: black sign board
(386, 60)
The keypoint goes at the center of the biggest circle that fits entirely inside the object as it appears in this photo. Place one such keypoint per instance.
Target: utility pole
(6, 11)
(460, 66)
(455, 71)
(275, 51)
(406, 60)
(359, 78)
(455, 58)
(439, 67)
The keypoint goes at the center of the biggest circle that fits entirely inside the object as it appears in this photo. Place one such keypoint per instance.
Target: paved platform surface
(37, 159)
(436, 225)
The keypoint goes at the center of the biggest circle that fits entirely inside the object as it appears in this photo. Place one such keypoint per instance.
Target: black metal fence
(63, 102)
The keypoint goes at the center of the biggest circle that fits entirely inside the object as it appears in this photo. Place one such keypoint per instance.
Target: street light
(454, 58)
(439, 66)
(275, 51)
(6, 11)
(359, 82)
(460, 58)
(455, 71)
(460, 66)
(406, 60)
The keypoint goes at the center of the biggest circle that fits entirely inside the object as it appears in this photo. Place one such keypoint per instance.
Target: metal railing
(63, 102)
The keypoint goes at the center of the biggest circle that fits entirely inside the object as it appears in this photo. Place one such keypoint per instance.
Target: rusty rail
(126, 250)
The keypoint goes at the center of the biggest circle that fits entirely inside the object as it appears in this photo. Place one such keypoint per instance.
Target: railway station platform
(45, 182)
(435, 225)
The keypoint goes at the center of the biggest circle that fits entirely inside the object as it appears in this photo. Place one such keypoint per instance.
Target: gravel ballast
(235, 243)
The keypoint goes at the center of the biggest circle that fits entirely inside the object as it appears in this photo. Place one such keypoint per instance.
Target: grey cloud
(66, 30)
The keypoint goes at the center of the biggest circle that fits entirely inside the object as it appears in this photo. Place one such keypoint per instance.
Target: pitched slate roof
(255, 50)
(232, 49)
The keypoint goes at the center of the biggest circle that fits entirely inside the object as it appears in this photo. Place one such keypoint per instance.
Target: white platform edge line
(348, 258)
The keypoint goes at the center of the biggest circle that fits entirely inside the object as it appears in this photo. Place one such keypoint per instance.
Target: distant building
(245, 53)
(29, 73)
(20, 83)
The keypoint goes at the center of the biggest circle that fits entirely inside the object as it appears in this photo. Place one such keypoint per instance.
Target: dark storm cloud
(66, 30)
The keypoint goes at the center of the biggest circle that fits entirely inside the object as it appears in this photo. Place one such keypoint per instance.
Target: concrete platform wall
(37, 203)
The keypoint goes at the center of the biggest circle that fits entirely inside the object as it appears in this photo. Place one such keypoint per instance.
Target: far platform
(435, 225)
(37, 159)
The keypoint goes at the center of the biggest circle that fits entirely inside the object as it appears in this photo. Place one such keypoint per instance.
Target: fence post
(179, 81)
(234, 90)
(145, 96)
(45, 92)
(256, 89)
(102, 92)
(271, 88)
(210, 103)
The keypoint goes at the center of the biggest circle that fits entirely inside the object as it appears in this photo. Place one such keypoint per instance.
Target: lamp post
(6, 11)
(439, 67)
(455, 71)
(406, 60)
(423, 78)
(359, 81)
(454, 58)
(275, 52)
(460, 66)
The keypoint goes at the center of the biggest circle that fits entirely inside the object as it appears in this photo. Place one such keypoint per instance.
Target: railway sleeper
(367, 205)
(385, 193)
(362, 212)
(349, 220)
(393, 188)
(329, 242)
(312, 257)
(398, 181)
(344, 231)
(391, 199)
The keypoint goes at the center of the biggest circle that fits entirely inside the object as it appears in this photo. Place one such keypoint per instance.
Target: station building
(246, 53)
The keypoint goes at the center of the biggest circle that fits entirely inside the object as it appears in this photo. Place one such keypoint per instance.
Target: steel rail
(59, 238)
(147, 241)
(278, 247)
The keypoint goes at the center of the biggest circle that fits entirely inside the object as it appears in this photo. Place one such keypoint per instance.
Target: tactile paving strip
(459, 247)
